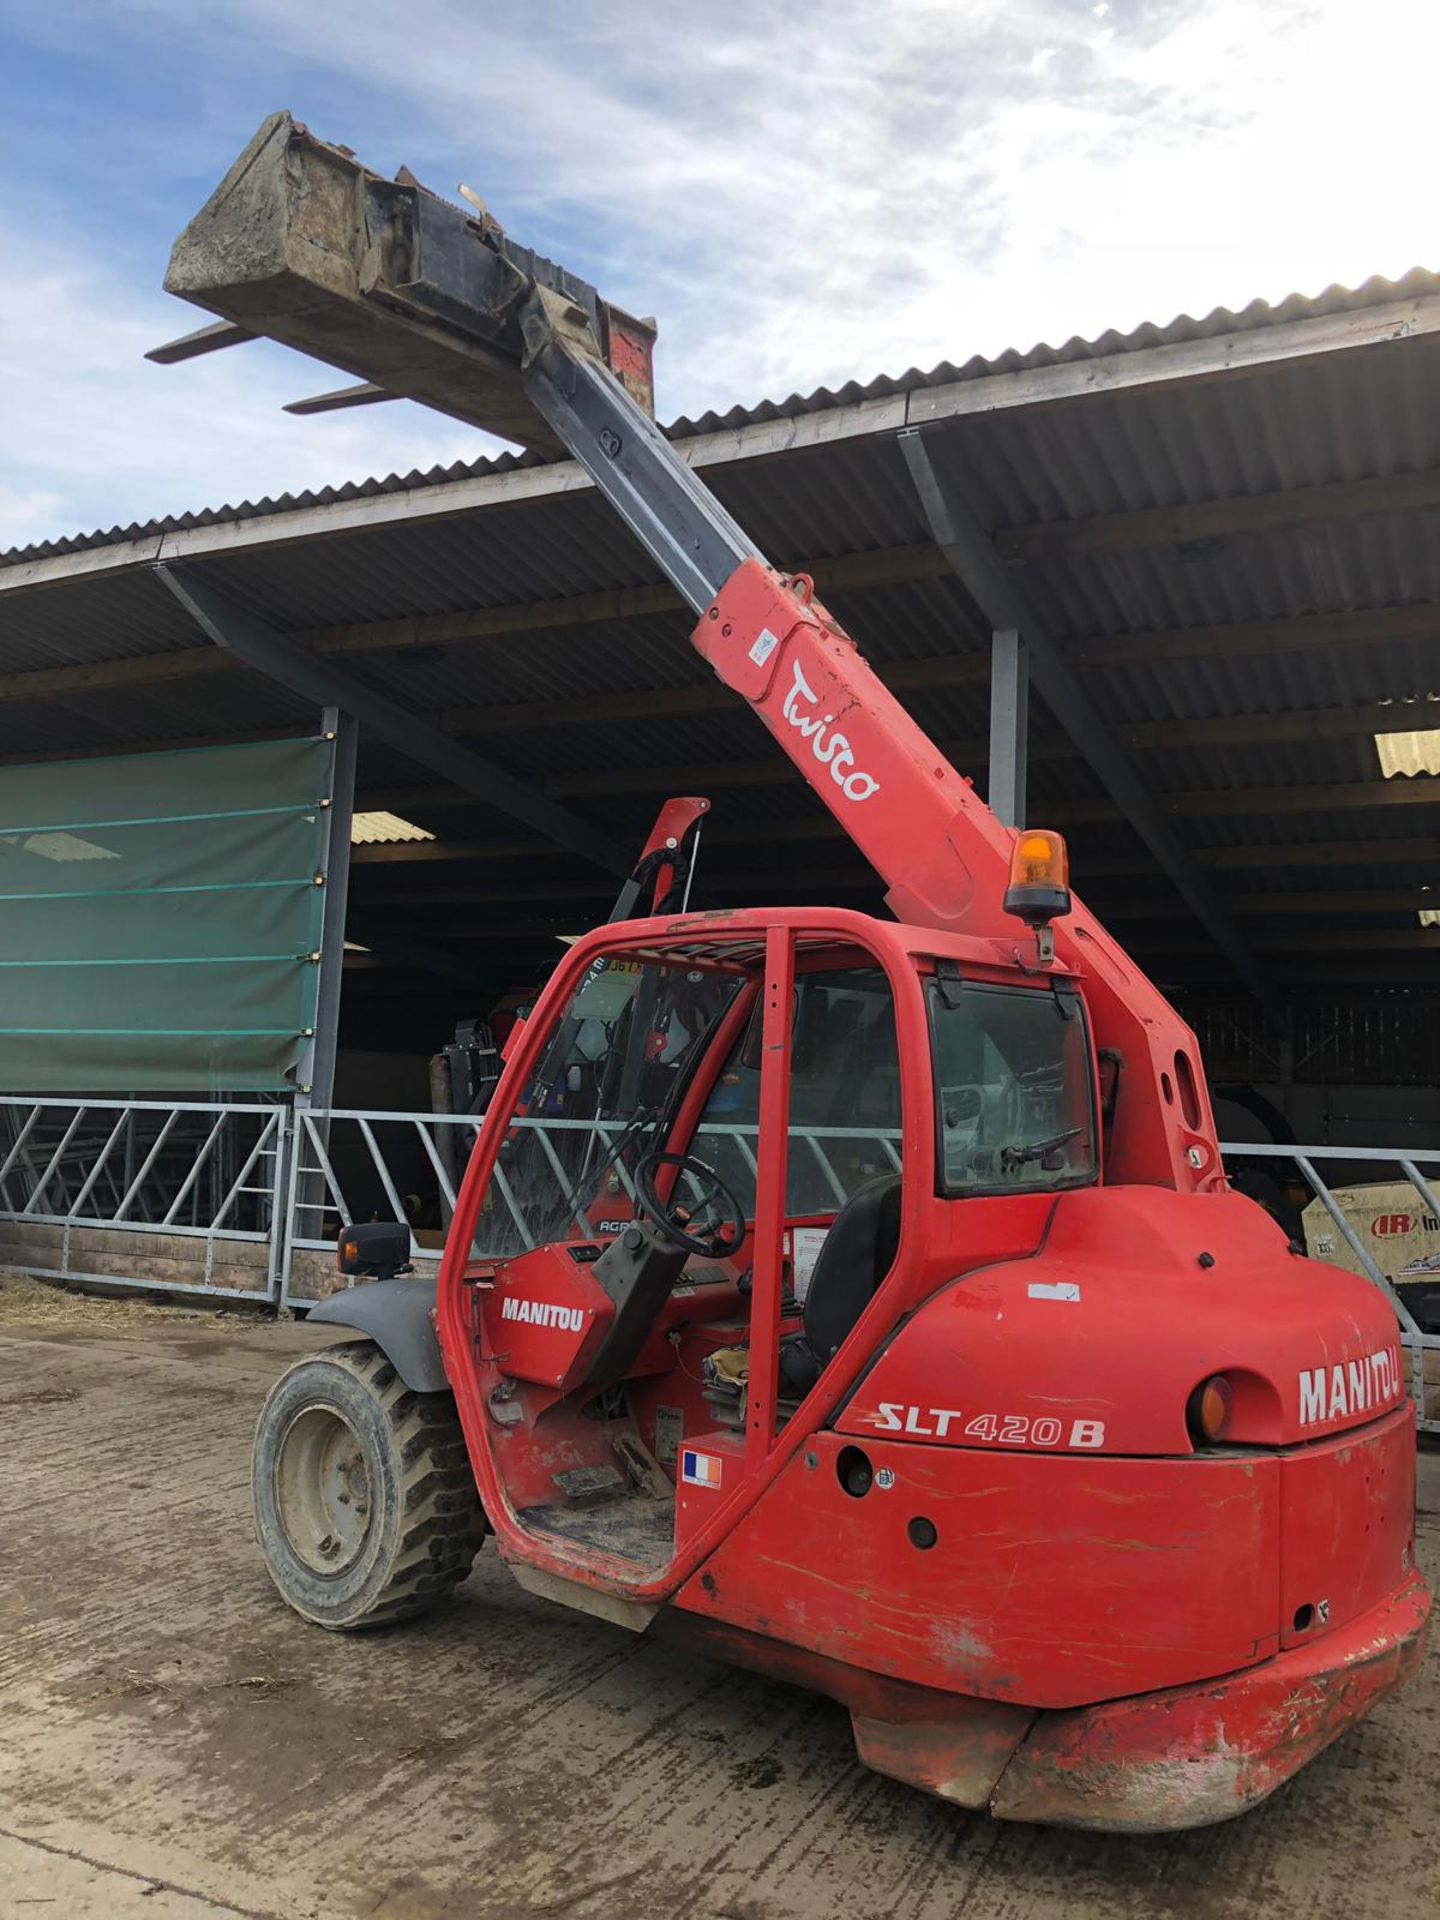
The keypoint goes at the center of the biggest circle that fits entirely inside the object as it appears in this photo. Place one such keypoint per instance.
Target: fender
(398, 1316)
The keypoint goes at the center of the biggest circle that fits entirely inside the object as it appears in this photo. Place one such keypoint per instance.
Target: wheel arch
(398, 1315)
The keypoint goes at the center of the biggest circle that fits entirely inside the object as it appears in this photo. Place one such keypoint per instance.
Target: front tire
(365, 1502)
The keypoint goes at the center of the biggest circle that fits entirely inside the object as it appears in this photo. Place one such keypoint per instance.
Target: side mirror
(380, 1248)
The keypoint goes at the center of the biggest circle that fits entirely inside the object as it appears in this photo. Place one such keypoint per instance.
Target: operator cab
(708, 1166)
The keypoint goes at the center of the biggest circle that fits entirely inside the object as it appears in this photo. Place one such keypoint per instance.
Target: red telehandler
(860, 1300)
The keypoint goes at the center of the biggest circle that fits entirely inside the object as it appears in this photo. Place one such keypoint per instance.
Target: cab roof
(736, 936)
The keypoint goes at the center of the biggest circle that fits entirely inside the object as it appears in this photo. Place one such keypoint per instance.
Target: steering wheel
(679, 1222)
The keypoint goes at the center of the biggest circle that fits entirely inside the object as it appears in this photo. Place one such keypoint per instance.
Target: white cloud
(96, 436)
(802, 195)
(29, 512)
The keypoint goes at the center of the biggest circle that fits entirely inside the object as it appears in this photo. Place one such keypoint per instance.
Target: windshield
(618, 1053)
(1014, 1102)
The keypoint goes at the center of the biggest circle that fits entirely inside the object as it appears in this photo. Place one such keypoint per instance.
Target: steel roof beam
(917, 676)
(758, 833)
(1242, 639)
(324, 684)
(1305, 633)
(839, 573)
(927, 674)
(1305, 724)
(850, 572)
(1418, 790)
(1321, 853)
(738, 776)
(980, 570)
(1280, 511)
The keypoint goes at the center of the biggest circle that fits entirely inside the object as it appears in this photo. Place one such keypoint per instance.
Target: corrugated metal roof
(1404, 755)
(377, 827)
(1419, 282)
(1295, 423)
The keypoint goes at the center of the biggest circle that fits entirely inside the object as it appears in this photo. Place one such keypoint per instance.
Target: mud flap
(396, 1314)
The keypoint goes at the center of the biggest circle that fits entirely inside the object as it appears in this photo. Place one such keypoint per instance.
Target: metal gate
(179, 1196)
(244, 1200)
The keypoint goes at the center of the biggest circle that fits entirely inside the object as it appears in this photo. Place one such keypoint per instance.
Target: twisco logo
(833, 751)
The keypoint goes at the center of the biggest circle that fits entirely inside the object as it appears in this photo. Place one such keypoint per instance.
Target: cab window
(1015, 1103)
(844, 1096)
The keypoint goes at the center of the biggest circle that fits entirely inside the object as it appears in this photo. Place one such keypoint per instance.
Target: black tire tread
(443, 1524)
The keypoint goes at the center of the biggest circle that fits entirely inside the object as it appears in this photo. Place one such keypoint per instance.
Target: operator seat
(859, 1251)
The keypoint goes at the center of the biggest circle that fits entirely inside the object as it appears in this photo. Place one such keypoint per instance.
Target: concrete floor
(175, 1744)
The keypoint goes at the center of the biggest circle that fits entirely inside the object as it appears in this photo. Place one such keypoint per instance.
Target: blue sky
(802, 193)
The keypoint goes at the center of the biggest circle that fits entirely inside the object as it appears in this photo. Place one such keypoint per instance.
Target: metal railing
(350, 1164)
(1424, 1373)
(179, 1196)
(244, 1200)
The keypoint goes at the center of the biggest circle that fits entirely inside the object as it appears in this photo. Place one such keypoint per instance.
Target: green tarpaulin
(157, 917)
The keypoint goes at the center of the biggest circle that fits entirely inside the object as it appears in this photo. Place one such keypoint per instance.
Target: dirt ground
(174, 1744)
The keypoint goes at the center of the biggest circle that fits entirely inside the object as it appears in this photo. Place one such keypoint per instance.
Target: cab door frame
(772, 1157)
(766, 1450)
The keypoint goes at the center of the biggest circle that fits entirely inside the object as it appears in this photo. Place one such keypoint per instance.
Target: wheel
(365, 1503)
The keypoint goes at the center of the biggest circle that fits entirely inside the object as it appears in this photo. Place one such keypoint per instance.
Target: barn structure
(1176, 593)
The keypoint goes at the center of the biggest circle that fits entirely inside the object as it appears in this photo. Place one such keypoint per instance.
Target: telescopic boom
(421, 299)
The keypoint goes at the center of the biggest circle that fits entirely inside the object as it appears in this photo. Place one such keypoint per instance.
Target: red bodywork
(673, 833)
(995, 1511)
(1104, 1631)
(1048, 1600)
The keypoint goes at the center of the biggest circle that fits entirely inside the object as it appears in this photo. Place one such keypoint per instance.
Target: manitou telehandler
(860, 1300)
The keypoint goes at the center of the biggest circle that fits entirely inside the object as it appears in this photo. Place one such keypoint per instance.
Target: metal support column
(1002, 599)
(1009, 725)
(315, 1070)
(317, 1082)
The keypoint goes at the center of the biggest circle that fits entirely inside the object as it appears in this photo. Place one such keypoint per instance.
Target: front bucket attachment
(390, 283)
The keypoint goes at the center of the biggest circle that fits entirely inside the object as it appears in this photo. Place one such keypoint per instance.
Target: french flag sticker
(700, 1469)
